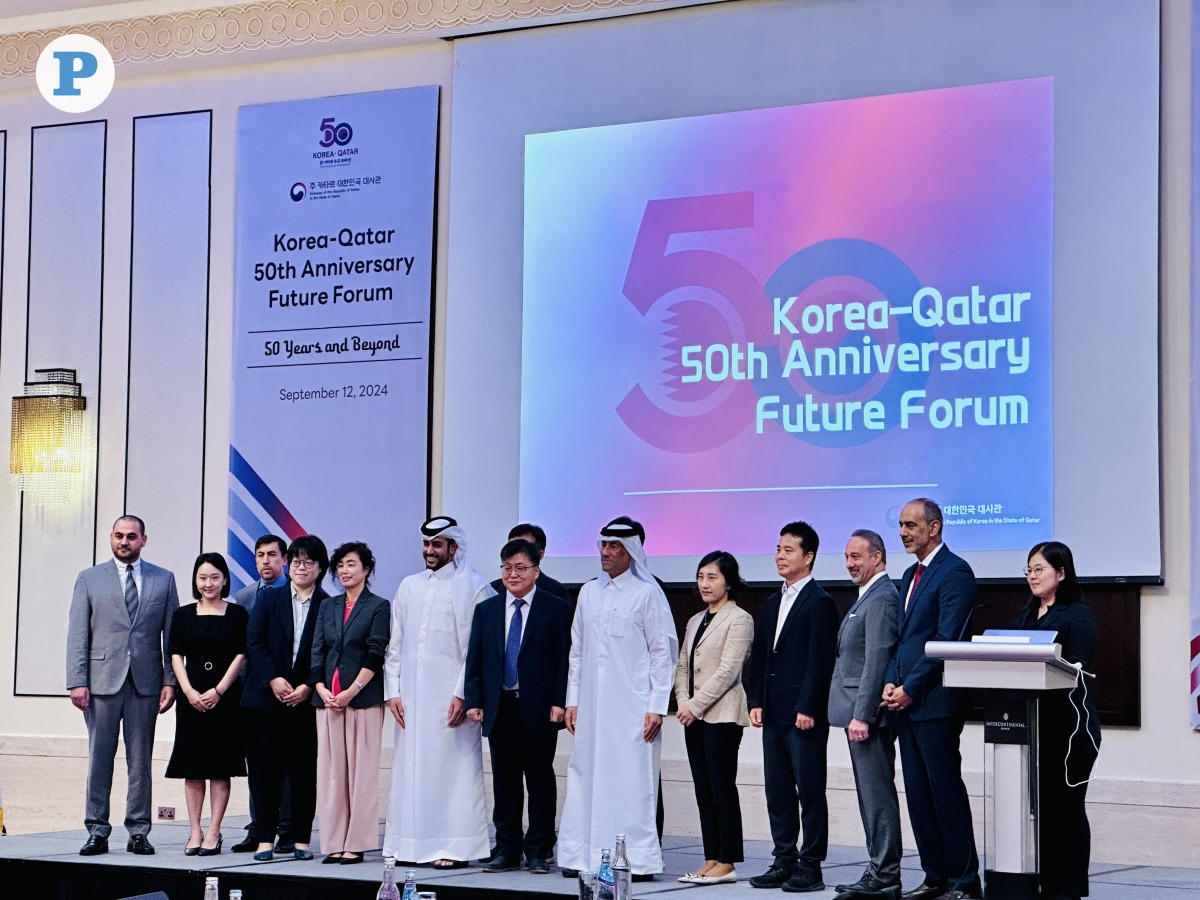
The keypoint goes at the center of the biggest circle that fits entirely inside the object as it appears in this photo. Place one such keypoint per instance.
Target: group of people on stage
(293, 686)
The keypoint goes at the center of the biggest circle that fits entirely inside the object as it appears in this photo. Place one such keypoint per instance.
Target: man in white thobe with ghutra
(436, 813)
(623, 653)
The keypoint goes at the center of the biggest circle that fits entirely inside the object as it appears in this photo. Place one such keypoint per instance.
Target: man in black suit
(516, 685)
(536, 535)
(791, 665)
(937, 597)
(282, 728)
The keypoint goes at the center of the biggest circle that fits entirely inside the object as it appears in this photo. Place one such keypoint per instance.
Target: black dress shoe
(963, 894)
(249, 845)
(502, 862)
(285, 844)
(301, 854)
(570, 873)
(642, 877)
(870, 886)
(804, 881)
(927, 891)
(94, 846)
(351, 859)
(142, 847)
(775, 876)
(538, 866)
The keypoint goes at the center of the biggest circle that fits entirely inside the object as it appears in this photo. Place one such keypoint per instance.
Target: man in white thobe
(623, 653)
(436, 812)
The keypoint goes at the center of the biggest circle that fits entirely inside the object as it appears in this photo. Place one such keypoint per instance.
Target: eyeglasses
(1039, 571)
(302, 563)
(518, 569)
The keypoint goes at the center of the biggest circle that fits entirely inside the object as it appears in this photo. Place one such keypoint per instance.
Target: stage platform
(45, 866)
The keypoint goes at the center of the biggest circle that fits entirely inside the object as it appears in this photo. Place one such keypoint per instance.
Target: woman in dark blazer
(349, 642)
(1068, 723)
(712, 708)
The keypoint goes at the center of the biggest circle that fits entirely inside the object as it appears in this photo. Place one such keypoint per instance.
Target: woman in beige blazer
(712, 709)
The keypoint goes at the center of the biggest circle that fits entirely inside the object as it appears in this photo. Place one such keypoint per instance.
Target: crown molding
(299, 24)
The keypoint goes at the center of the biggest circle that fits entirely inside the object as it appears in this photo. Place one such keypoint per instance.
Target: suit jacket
(104, 646)
(541, 663)
(269, 640)
(792, 676)
(937, 611)
(866, 640)
(249, 594)
(358, 643)
(1078, 634)
(717, 666)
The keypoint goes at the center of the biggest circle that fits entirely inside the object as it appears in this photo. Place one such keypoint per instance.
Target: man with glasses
(516, 685)
(282, 727)
(536, 535)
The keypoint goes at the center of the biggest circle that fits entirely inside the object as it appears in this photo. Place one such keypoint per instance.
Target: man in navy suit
(516, 685)
(791, 665)
(282, 726)
(937, 596)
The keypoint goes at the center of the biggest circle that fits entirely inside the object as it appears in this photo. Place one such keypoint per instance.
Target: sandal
(445, 864)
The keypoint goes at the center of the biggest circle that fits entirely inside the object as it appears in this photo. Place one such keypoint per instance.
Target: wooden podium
(1015, 668)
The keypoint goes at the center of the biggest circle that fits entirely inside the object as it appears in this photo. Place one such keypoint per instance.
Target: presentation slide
(744, 315)
(726, 267)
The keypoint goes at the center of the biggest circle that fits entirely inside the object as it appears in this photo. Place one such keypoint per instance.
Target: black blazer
(269, 640)
(1078, 634)
(793, 677)
(359, 644)
(541, 664)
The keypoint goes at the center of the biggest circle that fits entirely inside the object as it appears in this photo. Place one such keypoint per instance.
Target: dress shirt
(863, 588)
(122, 567)
(300, 610)
(790, 593)
(924, 562)
(509, 609)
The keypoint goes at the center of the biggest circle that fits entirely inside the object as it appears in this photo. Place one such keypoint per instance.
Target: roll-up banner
(333, 290)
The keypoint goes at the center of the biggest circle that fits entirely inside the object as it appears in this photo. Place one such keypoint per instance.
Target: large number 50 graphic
(654, 272)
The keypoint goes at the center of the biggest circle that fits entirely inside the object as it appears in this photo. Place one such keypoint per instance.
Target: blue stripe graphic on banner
(263, 495)
(244, 516)
(241, 554)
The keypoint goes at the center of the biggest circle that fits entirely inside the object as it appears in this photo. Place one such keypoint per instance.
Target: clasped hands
(288, 695)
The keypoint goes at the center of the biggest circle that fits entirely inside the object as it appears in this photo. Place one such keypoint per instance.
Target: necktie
(131, 594)
(512, 647)
(915, 582)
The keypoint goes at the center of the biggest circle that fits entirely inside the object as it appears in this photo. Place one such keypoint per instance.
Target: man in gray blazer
(120, 676)
(865, 641)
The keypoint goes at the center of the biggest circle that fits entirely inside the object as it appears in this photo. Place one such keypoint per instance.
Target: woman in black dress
(207, 646)
(1068, 723)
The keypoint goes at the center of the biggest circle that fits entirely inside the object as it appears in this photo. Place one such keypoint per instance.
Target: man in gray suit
(865, 641)
(120, 676)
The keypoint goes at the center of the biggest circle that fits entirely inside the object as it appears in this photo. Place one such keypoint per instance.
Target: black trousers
(712, 749)
(938, 806)
(1066, 835)
(794, 775)
(522, 758)
(282, 742)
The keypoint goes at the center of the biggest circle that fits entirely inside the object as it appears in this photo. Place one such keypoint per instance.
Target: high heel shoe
(191, 851)
(212, 851)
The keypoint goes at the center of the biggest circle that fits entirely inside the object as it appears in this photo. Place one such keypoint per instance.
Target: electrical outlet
(166, 813)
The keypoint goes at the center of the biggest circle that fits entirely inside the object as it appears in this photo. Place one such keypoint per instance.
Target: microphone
(971, 615)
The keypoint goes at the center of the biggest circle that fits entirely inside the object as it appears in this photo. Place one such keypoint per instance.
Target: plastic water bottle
(622, 877)
(410, 885)
(605, 889)
(388, 890)
(210, 888)
(235, 894)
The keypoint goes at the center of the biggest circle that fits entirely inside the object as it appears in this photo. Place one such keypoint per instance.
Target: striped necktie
(131, 593)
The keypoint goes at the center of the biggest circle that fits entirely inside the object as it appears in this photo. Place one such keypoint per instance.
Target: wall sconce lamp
(48, 437)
